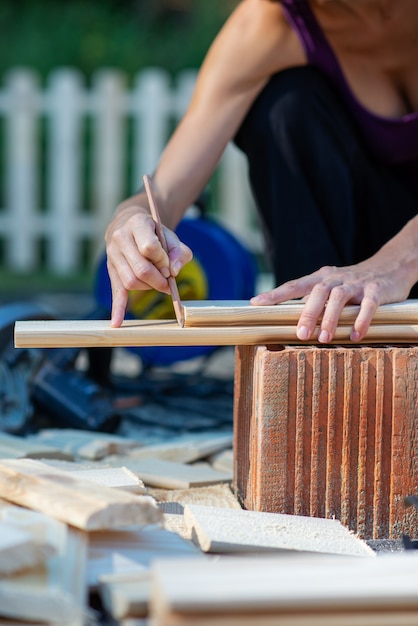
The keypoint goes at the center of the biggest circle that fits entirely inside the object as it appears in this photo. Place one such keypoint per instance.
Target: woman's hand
(135, 257)
(328, 290)
(255, 43)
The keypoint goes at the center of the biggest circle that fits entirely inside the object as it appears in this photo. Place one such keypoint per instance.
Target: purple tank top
(392, 140)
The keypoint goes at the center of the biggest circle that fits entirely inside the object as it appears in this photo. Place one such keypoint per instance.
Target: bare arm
(254, 43)
(387, 276)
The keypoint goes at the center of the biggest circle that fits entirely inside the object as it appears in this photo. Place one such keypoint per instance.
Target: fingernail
(323, 336)
(355, 335)
(302, 333)
(165, 272)
(176, 267)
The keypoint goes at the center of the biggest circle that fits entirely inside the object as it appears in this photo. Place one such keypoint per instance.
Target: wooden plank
(13, 447)
(7, 622)
(172, 503)
(173, 475)
(83, 443)
(99, 333)
(72, 500)
(185, 448)
(132, 551)
(330, 618)
(273, 590)
(40, 537)
(242, 313)
(115, 477)
(126, 595)
(19, 550)
(230, 530)
(223, 461)
(55, 591)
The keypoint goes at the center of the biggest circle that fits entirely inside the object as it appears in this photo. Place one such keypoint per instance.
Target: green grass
(13, 283)
(86, 34)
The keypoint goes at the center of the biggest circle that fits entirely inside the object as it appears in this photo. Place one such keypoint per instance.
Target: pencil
(175, 296)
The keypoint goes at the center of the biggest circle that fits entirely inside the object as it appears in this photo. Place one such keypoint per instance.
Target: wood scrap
(103, 473)
(229, 530)
(14, 447)
(126, 595)
(83, 443)
(172, 503)
(185, 448)
(27, 538)
(170, 474)
(399, 617)
(132, 551)
(72, 466)
(19, 551)
(54, 591)
(213, 495)
(309, 590)
(67, 498)
(7, 622)
(223, 461)
(115, 477)
(99, 333)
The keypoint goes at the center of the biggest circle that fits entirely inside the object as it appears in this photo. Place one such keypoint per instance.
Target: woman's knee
(297, 102)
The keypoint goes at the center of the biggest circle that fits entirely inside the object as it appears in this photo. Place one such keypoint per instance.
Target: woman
(322, 95)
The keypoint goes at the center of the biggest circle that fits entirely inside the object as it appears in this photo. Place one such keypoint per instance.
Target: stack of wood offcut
(97, 528)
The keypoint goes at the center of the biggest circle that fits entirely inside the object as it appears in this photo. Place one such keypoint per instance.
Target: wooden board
(242, 313)
(82, 443)
(286, 590)
(131, 551)
(72, 500)
(99, 333)
(55, 591)
(229, 530)
(223, 461)
(13, 447)
(115, 477)
(184, 448)
(19, 550)
(126, 595)
(27, 538)
(156, 472)
(398, 617)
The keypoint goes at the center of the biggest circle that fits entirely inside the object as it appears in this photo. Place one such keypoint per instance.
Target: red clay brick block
(329, 432)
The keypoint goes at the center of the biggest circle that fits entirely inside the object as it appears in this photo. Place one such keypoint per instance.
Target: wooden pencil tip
(180, 317)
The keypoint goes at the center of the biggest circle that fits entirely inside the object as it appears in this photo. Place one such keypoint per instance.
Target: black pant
(323, 199)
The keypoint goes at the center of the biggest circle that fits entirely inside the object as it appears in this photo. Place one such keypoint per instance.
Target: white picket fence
(71, 152)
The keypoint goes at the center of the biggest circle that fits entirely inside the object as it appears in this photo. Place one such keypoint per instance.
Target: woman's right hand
(255, 43)
(135, 257)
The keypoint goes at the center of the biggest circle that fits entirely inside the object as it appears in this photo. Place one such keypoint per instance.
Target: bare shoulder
(255, 43)
(258, 40)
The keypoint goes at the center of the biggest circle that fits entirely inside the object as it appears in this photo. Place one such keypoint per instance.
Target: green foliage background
(128, 34)
(91, 34)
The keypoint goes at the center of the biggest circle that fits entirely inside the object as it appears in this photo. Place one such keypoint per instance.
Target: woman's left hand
(326, 292)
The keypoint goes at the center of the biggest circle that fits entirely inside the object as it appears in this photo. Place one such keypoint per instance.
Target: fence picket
(21, 176)
(151, 107)
(108, 106)
(65, 169)
(83, 142)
